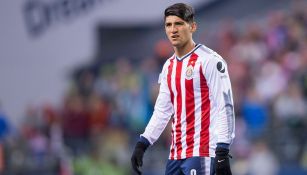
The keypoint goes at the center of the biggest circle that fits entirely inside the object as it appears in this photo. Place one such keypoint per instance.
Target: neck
(183, 50)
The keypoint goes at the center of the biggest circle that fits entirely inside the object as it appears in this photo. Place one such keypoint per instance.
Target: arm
(161, 115)
(162, 112)
(220, 87)
(216, 73)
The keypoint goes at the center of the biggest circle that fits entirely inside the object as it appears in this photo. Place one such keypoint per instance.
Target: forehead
(173, 18)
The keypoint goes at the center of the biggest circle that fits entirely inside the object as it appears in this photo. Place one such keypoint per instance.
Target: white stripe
(212, 127)
(183, 112)
(197, 101)
(208, 165)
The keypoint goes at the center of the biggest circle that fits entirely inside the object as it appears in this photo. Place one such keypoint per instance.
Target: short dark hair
(181, 10)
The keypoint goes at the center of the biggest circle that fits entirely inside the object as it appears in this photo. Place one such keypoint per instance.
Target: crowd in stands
(108, 105)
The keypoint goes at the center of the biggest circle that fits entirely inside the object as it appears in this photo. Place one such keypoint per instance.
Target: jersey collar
(188, 54)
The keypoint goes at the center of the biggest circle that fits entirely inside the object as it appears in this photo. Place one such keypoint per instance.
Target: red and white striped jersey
(196, 91)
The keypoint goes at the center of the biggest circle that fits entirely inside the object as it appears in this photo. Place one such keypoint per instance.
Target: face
(178, 31)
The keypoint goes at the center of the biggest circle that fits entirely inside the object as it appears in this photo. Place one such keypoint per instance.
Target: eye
(179, 23)
(168, 24)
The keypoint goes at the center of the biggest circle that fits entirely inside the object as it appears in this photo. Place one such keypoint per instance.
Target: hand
(137, 157)
(221, 161)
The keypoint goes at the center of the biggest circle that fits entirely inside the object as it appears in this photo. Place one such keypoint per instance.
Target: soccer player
(195, 91)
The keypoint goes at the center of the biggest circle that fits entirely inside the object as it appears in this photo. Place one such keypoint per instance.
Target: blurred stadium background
(78, 81)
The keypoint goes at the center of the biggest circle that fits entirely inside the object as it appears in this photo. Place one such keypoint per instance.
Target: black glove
(137, 156)
(221, 161)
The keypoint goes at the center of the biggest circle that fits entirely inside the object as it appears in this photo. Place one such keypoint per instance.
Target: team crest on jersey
(189, 72)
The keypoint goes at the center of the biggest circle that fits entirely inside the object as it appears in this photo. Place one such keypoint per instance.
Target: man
(195, 89)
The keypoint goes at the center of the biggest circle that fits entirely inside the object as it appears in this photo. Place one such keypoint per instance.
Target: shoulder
(168, 62)
(165, 67)
(208, 55)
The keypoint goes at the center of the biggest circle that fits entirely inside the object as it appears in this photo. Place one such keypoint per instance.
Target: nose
(173, 29)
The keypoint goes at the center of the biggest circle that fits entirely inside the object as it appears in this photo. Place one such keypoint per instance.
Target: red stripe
(169, 78)
(169, 83)
(190, 109)
(205, 116)
(172, 146)
(179, 108)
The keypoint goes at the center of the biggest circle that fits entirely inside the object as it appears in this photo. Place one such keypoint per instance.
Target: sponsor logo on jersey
(189, 73)
(220, 67)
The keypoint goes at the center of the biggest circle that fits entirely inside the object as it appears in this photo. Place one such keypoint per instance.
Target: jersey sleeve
(163, 110)
(217, 77)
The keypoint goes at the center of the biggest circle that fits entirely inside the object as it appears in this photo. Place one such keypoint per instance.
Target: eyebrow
(176, 22)
(179, 22)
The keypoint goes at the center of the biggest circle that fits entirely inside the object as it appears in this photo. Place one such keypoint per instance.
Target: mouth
(174, 37)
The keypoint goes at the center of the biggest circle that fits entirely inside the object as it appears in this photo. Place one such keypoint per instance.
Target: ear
(193, 27)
